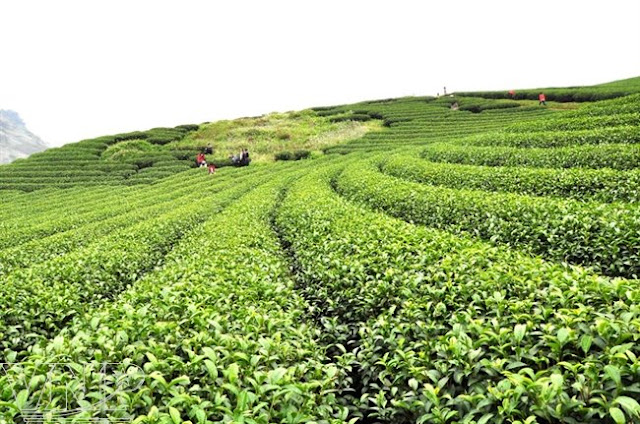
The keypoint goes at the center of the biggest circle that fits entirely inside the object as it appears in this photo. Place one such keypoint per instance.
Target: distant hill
(16, 141)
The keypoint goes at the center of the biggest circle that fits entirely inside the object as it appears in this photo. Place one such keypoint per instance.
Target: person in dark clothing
(245, 157)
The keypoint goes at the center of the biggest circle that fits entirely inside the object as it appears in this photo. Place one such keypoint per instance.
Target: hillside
(16, 141)
(420, 265)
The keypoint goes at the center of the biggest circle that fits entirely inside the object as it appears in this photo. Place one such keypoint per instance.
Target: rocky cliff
(16, 141)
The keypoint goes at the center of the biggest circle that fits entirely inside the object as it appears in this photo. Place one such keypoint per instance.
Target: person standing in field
(512, 94)
(212, 168)
(542, 100)
(201, 160)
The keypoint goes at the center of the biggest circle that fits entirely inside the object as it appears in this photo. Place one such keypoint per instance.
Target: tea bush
(604, 185)
(603, 236)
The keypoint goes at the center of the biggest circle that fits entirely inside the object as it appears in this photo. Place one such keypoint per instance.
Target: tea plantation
(472, 266)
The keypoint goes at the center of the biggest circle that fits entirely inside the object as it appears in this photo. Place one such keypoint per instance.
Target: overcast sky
(79, 69)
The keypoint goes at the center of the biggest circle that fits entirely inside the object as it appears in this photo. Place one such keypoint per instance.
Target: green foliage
(601, 236)
(104, 160)
(627, 134)
(120, 151)
(48, 294)
(218, 338)
(136, 135)
(570, 94)
(351, 117)
(369, 285)
(124, 208)
(622, 157)
(604, 185)
(167, 135)
(580, 122)
(188, 127)
(295, 155)
(474, 104)
(444, 329)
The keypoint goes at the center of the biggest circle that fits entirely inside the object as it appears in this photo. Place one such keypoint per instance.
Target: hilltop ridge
(143, 157)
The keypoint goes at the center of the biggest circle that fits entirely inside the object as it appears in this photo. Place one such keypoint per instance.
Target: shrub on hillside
(281, 135)
(295, 155)
(185, 154)
(562, 95)
(164, 135)
(135, 135)
(188, 127)
(328, 112)
(284, 155)
(388, 122)
(122, 150)
(323, 108)
(352, 117)
(160, 140)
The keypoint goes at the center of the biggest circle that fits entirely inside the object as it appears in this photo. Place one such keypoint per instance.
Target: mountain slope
(16, 141)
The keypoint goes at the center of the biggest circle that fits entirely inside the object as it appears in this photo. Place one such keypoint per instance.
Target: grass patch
(269, 135)
(121, 151)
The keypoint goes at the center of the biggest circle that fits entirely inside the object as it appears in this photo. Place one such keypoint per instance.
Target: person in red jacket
(542, 99)
(200, 160)
(512, 94)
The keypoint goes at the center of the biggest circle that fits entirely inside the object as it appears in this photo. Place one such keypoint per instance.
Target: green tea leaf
(175, 415)
(232, 372)
(563, 334)
(519, 332)
(276, 375)
(613, 373)
(211, 368)
(617, 415)
(629, 404)
(21, 399)
(585, 343)
(485, 418)
(201, 415)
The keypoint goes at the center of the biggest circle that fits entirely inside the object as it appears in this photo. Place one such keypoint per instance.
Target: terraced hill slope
(477, 265)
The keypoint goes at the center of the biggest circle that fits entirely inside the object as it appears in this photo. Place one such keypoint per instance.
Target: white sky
(80, 69)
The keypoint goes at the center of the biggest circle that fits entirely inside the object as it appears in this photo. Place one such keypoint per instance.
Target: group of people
(241, 159)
